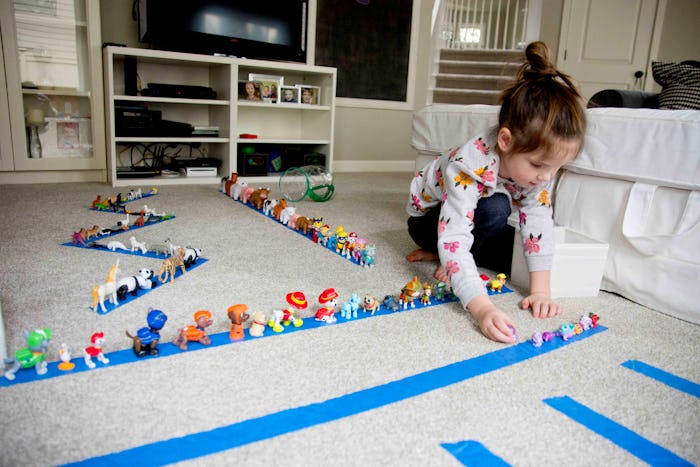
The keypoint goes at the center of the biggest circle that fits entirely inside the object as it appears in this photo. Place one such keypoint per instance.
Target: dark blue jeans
(493, 237)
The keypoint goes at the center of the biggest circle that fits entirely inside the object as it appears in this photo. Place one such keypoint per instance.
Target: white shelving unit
(306, 128)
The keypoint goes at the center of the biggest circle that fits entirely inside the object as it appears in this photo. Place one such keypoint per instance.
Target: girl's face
(528, 169)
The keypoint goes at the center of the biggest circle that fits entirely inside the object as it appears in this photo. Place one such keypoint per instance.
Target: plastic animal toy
(304, 224)
(296, 301)
(349, 247)
(258, 197)
(536, 339)
(191, 256)
(96, 201)
(367, 256)
(136, 245)
(246, 193)
(359, 248)
(196, 332)
(594, 320)
(95, 350)
(257, 328)
(141, 220)
(172, 248)
(409, 293)
(427, 292)
(268, 206)
(229, 182)
(236, 189)
(116, 245)
(547, 336)
(586, 322)
(286, 214)
(124, 223)
(324, 235)
(370, 304)
(350, 308)
(108, 289)
(144, 280)
(65, 357)
(440, 291)
(134, 194)
(566, 331)
(390, 303)
(328, 299)
(341, 237)
(146, 339)
(170, 265)
(237, 314)
(316, 225)
(497, 284)
(31, 356)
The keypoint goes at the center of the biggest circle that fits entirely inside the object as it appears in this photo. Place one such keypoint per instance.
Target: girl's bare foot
(422, 255)
(441, 275)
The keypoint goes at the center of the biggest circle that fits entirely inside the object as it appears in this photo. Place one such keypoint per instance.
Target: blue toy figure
(30, 356)
(146, 338)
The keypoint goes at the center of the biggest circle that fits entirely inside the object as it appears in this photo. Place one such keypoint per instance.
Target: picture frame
(250, 91)
(269, 86)
(309, 95)
(289, 95)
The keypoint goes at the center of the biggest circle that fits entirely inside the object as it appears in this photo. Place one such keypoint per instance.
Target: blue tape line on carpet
(117, 231)
(662, 376)
(290, 420)
(625, 438)
(474, 454)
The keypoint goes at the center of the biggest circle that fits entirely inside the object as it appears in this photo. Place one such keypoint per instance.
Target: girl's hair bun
(538, 62)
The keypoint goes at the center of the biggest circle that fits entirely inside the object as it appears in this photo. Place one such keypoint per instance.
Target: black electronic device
(131, 87)
(182, 91)
(273, 29)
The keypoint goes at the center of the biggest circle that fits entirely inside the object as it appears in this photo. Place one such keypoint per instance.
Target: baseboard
(373, 166)
(78, 176)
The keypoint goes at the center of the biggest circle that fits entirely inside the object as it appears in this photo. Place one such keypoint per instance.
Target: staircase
(474, 76)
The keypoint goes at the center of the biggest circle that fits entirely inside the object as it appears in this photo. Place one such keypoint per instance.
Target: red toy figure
(195, 332)
(237, 314)
(328, 299)
(594, 319)
(95, 350)
(297, 301)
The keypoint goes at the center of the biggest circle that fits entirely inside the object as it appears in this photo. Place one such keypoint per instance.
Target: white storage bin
(578, 265)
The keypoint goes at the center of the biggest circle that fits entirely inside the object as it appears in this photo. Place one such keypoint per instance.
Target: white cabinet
(51, 56)
(286, 133)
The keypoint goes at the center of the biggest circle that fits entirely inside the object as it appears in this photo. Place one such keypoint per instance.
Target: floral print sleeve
(457, 180)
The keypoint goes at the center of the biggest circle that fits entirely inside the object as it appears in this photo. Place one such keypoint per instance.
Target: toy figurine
(144, 280)
(136, 245)
(497, 284)
(191, 256)
(390, 303)
(196, 332)
(409, 293)
(32, 355)
(328, 299)
(367, 256)
(349, 248)
(349, 308)
(586, 322)
(594, 319)
(257, 328)
(146, 338)
(566, 331)
(536, 339)
(95, 350)
(64, 355)
(440, 291)
(297, 301)
(547, 336)
(237, 314)
(258, 197)
(108, 289)
(316, 228)
(370, 304)
(341, 237)
(427, 292)
(170, 265)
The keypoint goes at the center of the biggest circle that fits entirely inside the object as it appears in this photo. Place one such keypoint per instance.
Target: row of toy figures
(145, 216)
(33, 355)
(347, 244)
(116, 203)
(567, 330)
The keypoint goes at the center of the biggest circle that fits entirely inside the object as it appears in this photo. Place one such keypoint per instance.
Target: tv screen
(273, 29)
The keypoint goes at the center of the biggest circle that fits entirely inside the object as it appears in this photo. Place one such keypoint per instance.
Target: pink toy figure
(328, 299)
(95, 350)
(246, 192)
(547, 336)
(536, 339)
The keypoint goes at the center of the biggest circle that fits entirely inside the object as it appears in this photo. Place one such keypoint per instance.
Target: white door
(605, 43)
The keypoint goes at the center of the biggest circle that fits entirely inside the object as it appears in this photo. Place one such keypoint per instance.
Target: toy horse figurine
(108, 289)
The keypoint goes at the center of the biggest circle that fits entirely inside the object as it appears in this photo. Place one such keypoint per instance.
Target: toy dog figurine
(409, 293)
(296, 301)
(30, 356)
(195, 332)
(147, 337)
(328, 299)
(95, 350)
(237, 314)
(257, 328)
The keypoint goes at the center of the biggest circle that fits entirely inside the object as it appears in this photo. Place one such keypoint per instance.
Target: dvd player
(178, 90)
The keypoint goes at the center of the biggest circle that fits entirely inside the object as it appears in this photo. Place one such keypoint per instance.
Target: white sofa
(635, 186)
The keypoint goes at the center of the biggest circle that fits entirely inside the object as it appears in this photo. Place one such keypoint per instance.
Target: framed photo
(289, 95)
(269, 86)
(310, 95)
(250, 91)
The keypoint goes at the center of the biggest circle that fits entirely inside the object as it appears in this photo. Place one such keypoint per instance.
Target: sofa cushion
(680, 84)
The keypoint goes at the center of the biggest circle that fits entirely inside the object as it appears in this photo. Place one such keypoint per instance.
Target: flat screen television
(270, 29)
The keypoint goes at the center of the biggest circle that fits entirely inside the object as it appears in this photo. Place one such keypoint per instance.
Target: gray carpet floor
(255, 261)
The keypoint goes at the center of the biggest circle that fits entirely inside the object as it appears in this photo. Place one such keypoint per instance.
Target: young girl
(460, 202)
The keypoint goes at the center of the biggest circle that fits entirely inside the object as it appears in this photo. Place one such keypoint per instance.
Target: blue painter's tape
(668, 379)
(474, 454)
(622, 436)
(287, 421)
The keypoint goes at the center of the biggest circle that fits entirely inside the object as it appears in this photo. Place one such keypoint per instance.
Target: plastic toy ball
(311, 180)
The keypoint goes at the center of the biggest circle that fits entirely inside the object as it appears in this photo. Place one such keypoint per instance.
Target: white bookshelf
(277, 125)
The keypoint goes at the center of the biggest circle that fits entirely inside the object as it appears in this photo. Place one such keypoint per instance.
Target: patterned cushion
(680, 83)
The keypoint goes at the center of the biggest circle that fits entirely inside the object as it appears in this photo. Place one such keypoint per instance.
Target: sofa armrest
(630, 98)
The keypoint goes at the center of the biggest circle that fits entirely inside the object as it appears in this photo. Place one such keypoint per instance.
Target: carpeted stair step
(456, 67)
(465, 96)
(482, 82)
(482, 55)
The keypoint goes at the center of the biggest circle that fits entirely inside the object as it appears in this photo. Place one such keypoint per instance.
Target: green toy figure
(31, 356)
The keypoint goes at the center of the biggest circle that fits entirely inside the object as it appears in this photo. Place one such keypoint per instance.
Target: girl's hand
(541, 305)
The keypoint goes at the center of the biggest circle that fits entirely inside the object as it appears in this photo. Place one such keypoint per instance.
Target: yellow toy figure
(498, 282)
(427, 293)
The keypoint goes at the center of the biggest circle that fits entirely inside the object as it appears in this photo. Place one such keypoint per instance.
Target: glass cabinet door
(58, 74)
